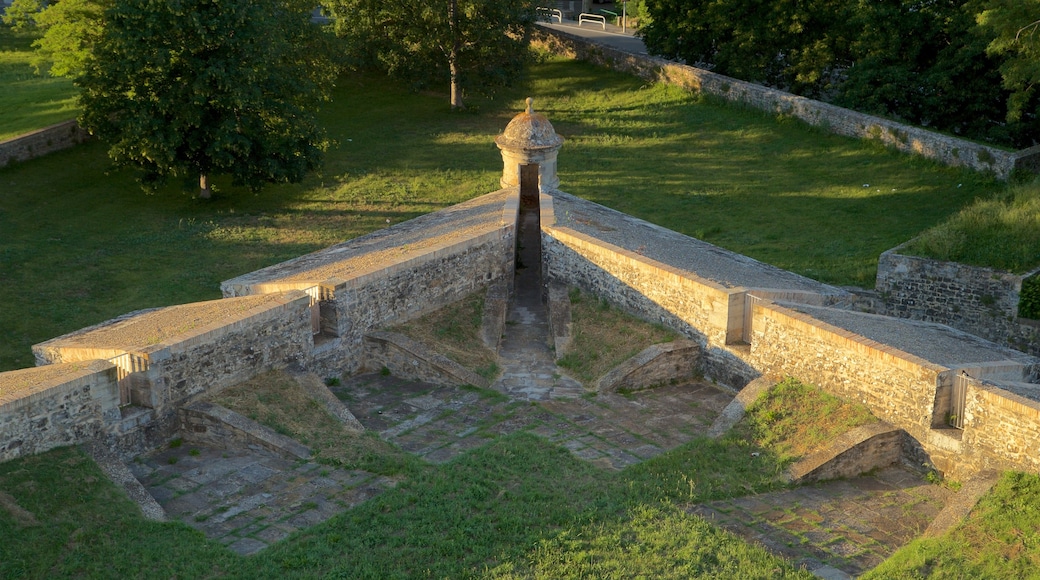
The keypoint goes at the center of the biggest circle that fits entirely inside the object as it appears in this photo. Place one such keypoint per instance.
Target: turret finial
(530, 106)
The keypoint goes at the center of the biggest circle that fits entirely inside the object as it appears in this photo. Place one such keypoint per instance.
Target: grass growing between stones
(454, 331)
(29, 101)
(604, 337)
(82, 243)
(998, 540)
(793, 419)
(277, 401)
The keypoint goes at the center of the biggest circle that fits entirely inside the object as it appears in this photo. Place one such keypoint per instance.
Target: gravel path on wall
(707, 261)
(933, 342)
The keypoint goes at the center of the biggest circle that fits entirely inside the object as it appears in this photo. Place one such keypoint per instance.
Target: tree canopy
(204, 87)
(469, 46)
(68, 31)
(968, 67)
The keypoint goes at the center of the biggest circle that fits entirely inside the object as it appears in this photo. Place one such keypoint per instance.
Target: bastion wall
(906, 138)
(122, 381)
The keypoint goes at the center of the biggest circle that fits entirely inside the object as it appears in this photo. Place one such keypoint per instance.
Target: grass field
(82, 242)
(518, 507)
(29, 101)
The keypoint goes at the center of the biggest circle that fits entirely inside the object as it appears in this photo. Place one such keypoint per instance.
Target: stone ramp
(529, 368)
(847, 525)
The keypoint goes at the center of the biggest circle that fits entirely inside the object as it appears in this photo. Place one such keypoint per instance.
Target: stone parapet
(982, 301)
(38, 143)
(906, 138)
(66, 404)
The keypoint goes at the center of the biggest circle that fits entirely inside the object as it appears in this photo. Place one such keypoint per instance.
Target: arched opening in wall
(528, 282)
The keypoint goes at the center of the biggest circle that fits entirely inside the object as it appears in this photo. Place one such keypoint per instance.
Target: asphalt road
(612, 36)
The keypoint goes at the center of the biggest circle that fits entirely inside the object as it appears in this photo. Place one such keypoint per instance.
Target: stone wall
(38, 143)
(897, 387)
(942, 148)
(67, 404)
(406, 358)
(981, 301)
(1002, 428)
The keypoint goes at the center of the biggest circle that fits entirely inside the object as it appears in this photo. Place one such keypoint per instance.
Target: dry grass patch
(275, 400)
(604, 337)
(793, 419)
(454, 331)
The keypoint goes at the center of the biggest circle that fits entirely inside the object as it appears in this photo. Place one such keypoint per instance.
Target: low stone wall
(942, 148)
(656, 365)
(397, 274)
(215, 426)
(43, 408)
(851, 454)
(981, 301)
(897, 387)
(410, 359)
(38, 143)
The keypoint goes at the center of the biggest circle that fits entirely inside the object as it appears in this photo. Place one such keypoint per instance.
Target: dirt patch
(21, 515)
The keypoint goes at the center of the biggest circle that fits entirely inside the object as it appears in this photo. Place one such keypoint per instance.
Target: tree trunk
(204, 191)
(453, 56)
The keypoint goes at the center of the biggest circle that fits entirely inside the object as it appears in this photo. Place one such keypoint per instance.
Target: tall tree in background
(472, 46)
(1016, 25)
(206, 87)
(68, 30)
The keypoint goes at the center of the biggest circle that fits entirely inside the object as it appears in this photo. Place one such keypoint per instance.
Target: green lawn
(29, 101)
(83, 243)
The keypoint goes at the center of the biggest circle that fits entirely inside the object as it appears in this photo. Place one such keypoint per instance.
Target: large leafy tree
(1016, 26)
(68, 31)
(205, 87)
(471, 46)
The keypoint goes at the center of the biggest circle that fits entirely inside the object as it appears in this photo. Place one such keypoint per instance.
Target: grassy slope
(29, 101)
(1000, 539)
(82, 243)
(518, 507)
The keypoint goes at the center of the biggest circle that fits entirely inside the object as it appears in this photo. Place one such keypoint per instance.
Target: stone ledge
(560, 318)
(851, 454)
(118, 473)
(315, 388)
(656, 365)
(415, 360)
(493, 322)
(736, 408)
(961, 505)
(217, 426)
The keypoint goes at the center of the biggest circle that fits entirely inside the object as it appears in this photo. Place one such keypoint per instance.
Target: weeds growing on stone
(604, 337)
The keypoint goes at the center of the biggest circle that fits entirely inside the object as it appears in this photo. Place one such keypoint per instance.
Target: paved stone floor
(249, 498)
(851, 525)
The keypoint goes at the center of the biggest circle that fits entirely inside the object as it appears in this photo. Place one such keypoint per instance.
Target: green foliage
(999, 540)
(29, 101)
(924, 62)
(790, 44)
(70, 29)
(1029, 298)
(920, 61)
(1000, 232)
(468, 46)
(1016, 26)
(204, 87)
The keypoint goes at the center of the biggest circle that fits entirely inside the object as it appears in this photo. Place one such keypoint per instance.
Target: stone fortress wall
(122, 382)
(32, 145)
(748, 319)
(909, 139)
